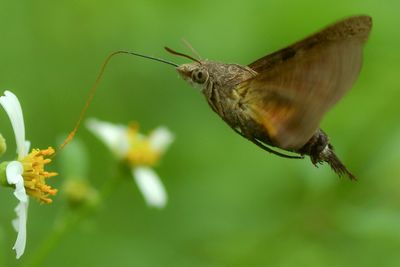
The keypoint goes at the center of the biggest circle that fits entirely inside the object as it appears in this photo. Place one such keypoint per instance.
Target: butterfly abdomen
(320, 150)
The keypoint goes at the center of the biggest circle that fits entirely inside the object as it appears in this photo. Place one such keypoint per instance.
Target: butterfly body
(280, 99)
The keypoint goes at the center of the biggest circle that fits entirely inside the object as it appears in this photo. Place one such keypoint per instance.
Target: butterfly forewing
(297, 85)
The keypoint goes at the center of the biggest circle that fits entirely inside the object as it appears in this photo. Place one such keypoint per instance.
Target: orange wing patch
(271, 115)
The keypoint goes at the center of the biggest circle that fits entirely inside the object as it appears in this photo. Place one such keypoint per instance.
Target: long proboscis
(94, 88)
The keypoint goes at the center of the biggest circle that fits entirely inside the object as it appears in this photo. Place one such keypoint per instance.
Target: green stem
(67, 222)
(59, 230)
(2, 248)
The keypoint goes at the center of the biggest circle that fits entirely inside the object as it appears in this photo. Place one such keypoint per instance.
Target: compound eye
(200, 76)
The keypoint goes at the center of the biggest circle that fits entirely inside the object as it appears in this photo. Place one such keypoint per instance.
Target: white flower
(114, 136)
(150, 186)
(15, 169)
(140, 152)
(31, 164)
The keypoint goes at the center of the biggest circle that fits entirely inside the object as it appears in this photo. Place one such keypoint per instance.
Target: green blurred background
(231, 204)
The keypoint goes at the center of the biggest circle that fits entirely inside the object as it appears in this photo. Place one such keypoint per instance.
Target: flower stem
(2, 248)
(60, 228)
(67, 222)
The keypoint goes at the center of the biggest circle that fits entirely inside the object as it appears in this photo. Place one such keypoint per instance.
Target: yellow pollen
(35, 176)
(140, 153)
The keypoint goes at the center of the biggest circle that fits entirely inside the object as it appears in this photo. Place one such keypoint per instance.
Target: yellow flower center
(35, 176)
(140, 153)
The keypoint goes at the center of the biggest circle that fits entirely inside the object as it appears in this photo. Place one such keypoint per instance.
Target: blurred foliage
(231, 204)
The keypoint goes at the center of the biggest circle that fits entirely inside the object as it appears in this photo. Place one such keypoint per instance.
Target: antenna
(191, 48)
(169, 50)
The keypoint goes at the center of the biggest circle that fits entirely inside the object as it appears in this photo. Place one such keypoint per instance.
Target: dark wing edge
(353, 27)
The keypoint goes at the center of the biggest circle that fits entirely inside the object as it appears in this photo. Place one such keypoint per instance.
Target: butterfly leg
(249, 136)
(270, 150)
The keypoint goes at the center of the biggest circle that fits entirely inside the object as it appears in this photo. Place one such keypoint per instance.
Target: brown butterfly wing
(297, 85)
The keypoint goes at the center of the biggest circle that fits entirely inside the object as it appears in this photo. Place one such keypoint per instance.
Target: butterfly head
(196, 74)
(204, 73)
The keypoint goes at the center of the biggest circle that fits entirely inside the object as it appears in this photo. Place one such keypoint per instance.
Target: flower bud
(80, 193)
(3, 145)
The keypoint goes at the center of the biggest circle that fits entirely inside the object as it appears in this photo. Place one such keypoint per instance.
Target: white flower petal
(151, 186)
(113, 136)
(27, 145)
(20, 226)
(14, 172)
(161, 138)
(13, 109)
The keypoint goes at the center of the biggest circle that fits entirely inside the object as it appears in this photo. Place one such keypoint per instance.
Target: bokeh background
(231, 204)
